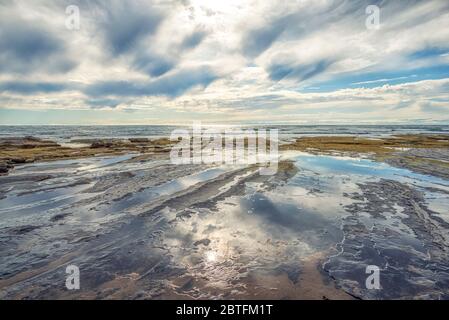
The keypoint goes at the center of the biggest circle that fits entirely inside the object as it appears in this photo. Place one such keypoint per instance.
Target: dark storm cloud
(193, 40)
(295, 25)
(257, 41)
(26, 88)
(102, 103)
(292, 25)
(27, 46)
(157, 65)
(300, 72)
(152, 64)
(124, 24)
(172, 85)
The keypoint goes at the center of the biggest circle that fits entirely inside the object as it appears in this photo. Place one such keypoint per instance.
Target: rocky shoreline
(22, 150)
(427, 154)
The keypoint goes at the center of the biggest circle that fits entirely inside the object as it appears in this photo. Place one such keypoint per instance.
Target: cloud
(193, 40)
(297, 21)
(153, 64)
(156, 64)
(380, 80)
(103, 103)
(27, 46)
(124, 24)
(258, 40)
(279, 71)
(434, 107)
(172, 85)
(28, 88)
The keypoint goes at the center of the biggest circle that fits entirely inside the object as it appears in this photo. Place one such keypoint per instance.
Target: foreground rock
(406, 239)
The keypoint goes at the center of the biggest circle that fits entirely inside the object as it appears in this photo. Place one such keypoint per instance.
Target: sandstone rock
(101, 144)
(18, 160)
(3, 168)
(138, 140)
(31, 138)
(204, 242)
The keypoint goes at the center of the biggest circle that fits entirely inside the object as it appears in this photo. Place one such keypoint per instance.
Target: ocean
(67, 133)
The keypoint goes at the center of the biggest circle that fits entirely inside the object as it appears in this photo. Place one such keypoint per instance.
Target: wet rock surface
(425, 153)
(113, 218)
(139, 227)
(391, 227)
(427, 161)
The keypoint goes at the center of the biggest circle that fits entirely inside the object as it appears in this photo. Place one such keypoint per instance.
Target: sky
(216, 61)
